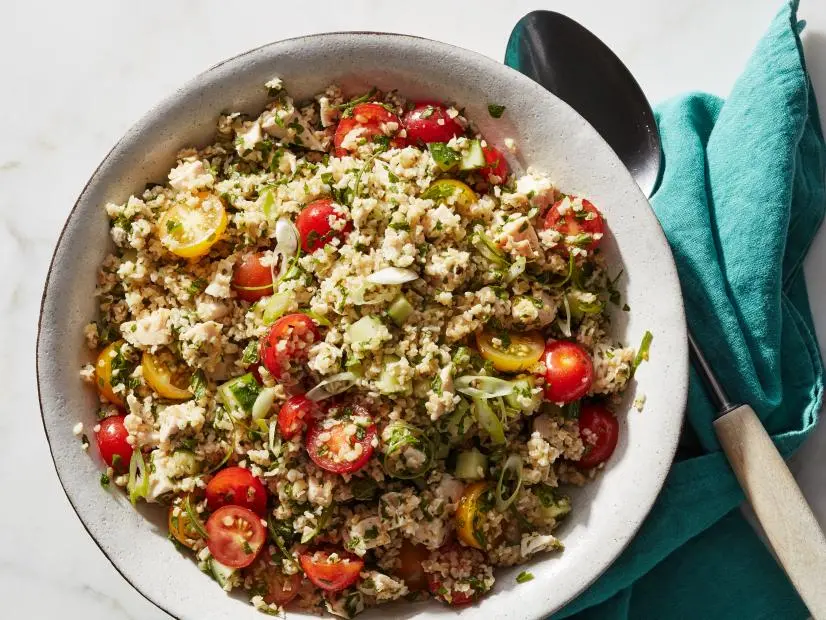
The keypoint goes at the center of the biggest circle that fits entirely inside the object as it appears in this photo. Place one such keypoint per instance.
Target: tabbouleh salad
(354, 356)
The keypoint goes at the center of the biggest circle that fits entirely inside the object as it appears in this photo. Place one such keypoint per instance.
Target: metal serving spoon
(571, 62)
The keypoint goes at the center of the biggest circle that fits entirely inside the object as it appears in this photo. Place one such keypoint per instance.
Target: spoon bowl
(571, 62)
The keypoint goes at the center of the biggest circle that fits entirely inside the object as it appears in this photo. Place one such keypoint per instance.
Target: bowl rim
(681, 324)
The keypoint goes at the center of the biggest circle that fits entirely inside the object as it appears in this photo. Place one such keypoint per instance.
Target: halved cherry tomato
(191, 230)
(429, 121)
(587, 223)
(599, 430)
(251, 280)
(314, 224)
(236, 536)
(368, 121)
(294, 414)
(331, 575)
(456, 554)
(496, 166)
(286, 347)
(114, 449)
(468, 513)
(236, 486)
(278, 588)
(341, 445)
(510, 351)
(168, 384)
(182, 528)
(569, 371)
(443, 189)
(104, 372)
(410, 568)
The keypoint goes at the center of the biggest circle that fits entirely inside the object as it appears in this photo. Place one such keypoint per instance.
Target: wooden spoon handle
(780, 507)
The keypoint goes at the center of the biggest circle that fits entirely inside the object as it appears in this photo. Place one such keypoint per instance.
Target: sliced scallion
(263, 403)
(510, 481)
(642, 352)
(137, 467)
(193, 517)
(332, 385)
(483, 386)
(488, 420)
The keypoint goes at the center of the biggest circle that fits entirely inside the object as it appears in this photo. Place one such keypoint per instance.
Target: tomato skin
(226, 542)
(236, 486)
(568, 224)
(599, 430)
(157, 375)
(410, 569)
(103, 372)
(251, 280)
(466, 513)
(523, 351)
(369, 118)
(319, 450)
(422, 123)
(313, 224)
(285, 362)
(331, 577)
(294, 414)
(496, 164)
(569, 371)
(206, 223)
(457, 599)
(111, 440)
(280, 589)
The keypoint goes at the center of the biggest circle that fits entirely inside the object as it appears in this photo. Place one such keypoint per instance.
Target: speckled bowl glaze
(550, 136)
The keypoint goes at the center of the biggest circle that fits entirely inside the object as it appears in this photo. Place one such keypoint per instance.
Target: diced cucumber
(364, 330)
(471, 465)
(183, 463)
(400, 310)
(444, 156)
(223, 574)
(387, 382)
(522, 397)
(473, 158)
(239, 394)
(275, 307)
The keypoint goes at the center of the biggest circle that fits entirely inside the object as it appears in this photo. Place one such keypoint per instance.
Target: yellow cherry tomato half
(510, 351)
(157, 374)
(181, 527)
(468, 515)
(443, 189)
(190, 230)
(104, 372)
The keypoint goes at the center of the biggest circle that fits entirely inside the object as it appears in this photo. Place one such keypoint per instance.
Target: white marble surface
(77, 74)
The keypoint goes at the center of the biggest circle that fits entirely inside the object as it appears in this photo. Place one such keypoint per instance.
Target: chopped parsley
(250, 354)
(524, 577)
(496, 110)
(642, 352)
(104, 480)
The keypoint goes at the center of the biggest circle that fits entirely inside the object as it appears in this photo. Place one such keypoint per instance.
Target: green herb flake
(524, 577)
(250, 354)
(496, 110)
(104, 480)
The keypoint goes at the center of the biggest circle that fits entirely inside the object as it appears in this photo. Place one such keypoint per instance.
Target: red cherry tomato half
(341, 445)
(329, 574)
(294, 414)
(112, 444)
(236, 486)
(235, 536)
(278, 588)
(496, 164)
(368, 121)
(453, 553)
(315, 224)
(599, 430)
(587, 221)
(569, 371)
(286, 347)
(428, 121)
(251, 280)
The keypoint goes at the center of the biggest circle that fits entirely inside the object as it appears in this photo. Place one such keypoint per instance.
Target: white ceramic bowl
(550, 136)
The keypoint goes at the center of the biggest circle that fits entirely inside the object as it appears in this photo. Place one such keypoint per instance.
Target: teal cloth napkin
(740, 199)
